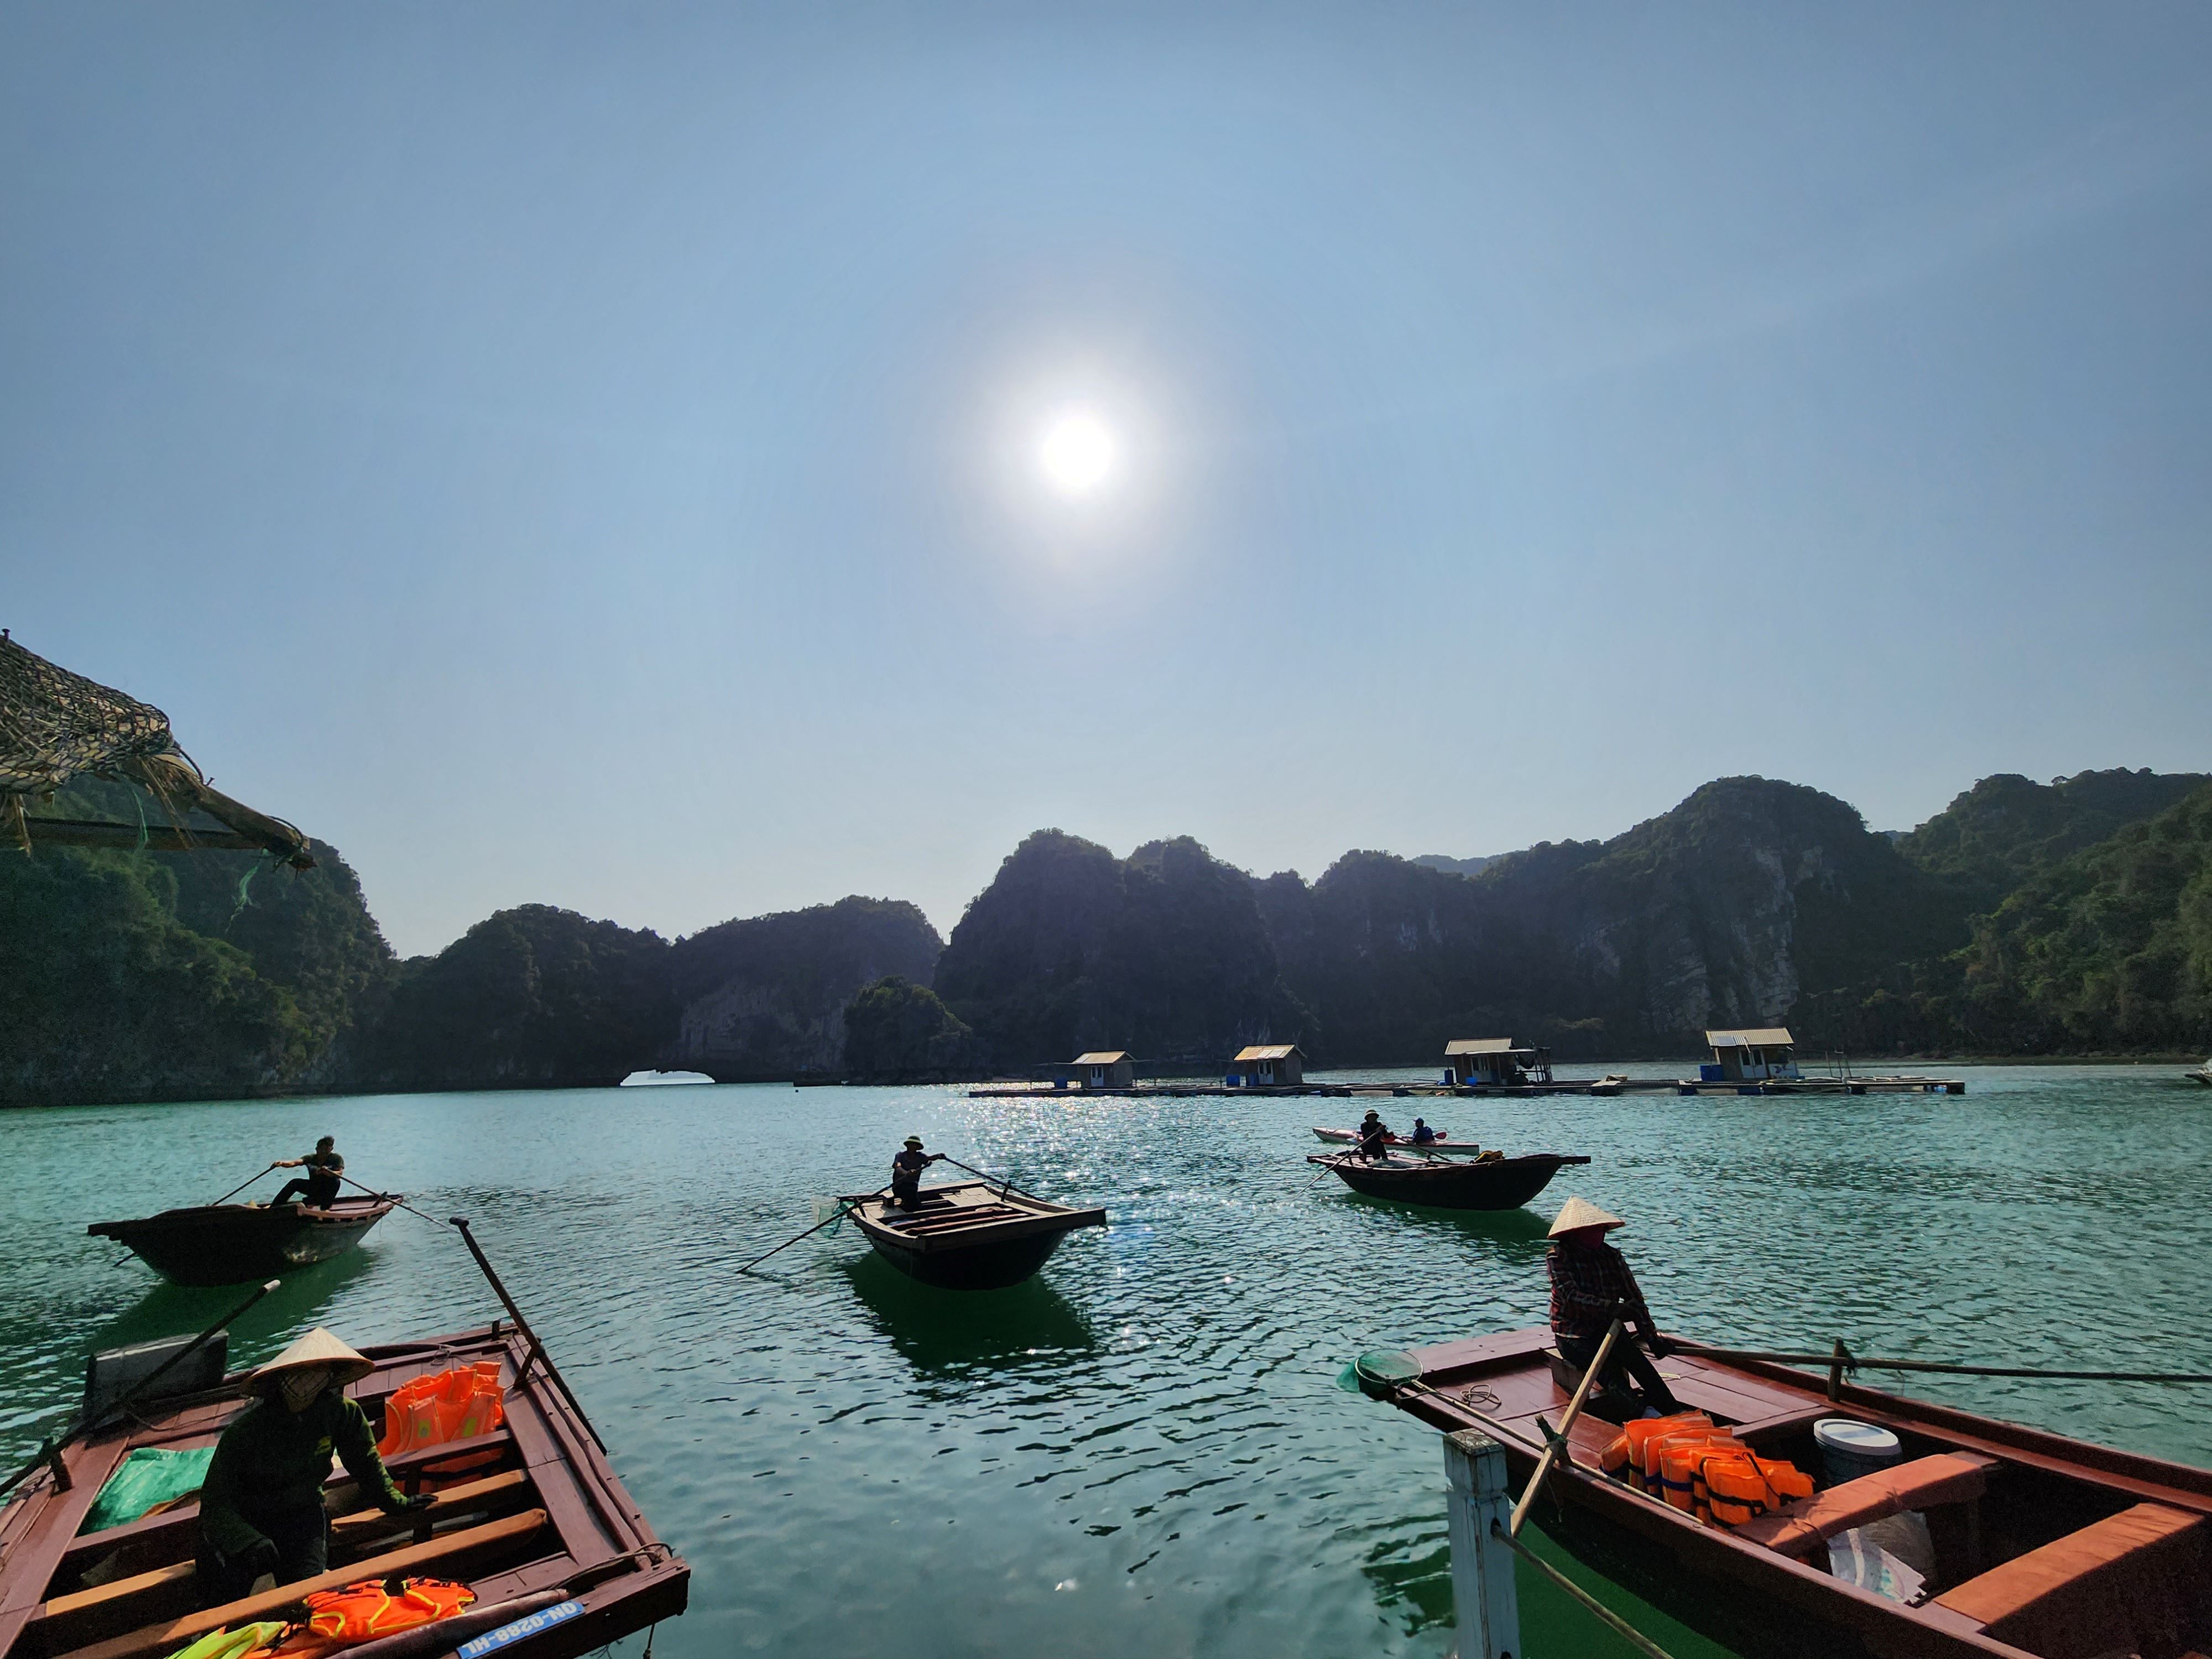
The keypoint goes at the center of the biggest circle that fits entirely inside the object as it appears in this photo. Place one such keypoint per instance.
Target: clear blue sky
(590, 454)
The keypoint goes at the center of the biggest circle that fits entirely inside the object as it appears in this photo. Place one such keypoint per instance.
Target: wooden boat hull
(233, 1244)
(536, 1507)
(994, 1244)
(1504, 1183)
(1753, 1600)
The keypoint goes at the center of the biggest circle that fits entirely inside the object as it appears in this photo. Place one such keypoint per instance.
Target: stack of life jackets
(453, 1405)
(1691, 1462)
(375, 1607)
(338, 1619)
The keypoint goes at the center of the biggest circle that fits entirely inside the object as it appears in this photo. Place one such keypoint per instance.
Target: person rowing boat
(1591, 1285)
(1374, 1136)
(907, 1166)
(320, 1188)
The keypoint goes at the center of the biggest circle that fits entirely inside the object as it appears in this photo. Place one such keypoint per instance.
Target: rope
(1853, 1363)
(1628, 1633)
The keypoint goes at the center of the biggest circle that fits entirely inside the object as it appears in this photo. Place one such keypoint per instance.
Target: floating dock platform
(1845, 1084)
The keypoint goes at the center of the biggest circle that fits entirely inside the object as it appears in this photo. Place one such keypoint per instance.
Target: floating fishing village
(446, 1494)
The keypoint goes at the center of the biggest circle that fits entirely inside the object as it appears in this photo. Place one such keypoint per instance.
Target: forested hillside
(2025, 918)
(164, 975)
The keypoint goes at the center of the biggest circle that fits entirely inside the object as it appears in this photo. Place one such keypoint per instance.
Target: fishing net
(55, 724)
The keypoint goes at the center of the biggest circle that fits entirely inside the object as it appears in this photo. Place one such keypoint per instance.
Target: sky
(684, 462)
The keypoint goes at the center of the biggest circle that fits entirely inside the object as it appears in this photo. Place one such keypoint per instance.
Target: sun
(1077, 453)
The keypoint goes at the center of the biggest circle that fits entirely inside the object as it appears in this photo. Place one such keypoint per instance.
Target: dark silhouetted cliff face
(533, 996)
(1721, 912)
(1164, 954)
(766, 998)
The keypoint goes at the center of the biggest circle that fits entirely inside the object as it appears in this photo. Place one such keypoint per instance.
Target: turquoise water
(1143, 1450)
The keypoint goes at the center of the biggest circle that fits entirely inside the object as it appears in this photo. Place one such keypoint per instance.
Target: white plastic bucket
(1851, 1449)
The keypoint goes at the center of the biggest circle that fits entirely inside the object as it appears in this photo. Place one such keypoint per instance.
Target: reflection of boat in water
(968, 1234)
(662, 1079)
(1481, 1183)
(1443, 1143)
(530, 1514)
(1934, 1533)
(233, 1243)
(941, 1332)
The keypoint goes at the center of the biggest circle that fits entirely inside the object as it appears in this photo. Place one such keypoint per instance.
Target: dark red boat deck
(544, 1511)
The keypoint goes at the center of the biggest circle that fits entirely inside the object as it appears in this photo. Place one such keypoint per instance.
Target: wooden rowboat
(1500, 1183)
(528, 1510)
(968, 1234)
(2041, 1546)
(234, 1243)
(1443, 1143)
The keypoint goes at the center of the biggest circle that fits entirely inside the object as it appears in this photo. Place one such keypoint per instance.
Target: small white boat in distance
(650, 1079)
(2201, 1074)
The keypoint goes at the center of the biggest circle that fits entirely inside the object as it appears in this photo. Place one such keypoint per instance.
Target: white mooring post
(1487, 1612)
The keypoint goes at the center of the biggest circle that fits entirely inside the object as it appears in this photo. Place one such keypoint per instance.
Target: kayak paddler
(906, 1173)
(261, 1505)
(320, 1186)
(1591, 1285)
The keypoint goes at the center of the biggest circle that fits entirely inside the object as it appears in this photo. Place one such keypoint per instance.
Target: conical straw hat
(320, 1347)
(1579, 1213)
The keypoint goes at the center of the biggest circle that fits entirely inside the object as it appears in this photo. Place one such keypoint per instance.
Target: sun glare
(1077, 453)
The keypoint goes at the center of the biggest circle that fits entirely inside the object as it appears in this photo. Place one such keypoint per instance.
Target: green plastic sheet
(147, 1477)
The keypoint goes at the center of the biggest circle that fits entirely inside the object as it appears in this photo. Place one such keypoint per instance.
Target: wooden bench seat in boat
(171, 1529)
(2134, 1583)
(1925, 1483)
(81, 1616)
(454, 1556)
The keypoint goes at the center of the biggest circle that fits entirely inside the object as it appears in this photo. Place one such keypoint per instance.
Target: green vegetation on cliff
(2007, 828)
(2111, 949)
(153, 975)
(533, 996)
(898, 1032)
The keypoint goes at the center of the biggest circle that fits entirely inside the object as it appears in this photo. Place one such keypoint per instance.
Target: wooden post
(1486, 1607)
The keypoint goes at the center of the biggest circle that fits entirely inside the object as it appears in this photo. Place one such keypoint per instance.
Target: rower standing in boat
(261, 1505)
(906, 1173)
(1374, 1137)
(321, 1187)
(1590, 1286)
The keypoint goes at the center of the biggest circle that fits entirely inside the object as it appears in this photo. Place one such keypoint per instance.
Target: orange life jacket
(453, 1405)
(375, 1607)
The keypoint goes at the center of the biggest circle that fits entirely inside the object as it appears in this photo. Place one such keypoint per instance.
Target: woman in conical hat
(261, 1506)
(1578, 1213)
(1591, 1285)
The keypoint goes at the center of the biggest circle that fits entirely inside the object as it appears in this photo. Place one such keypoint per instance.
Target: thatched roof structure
(56, 725)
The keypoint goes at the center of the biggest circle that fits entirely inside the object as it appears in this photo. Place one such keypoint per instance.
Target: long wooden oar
(1850, 1362)
(1559, 1438)
(243, 1184)
(842, 1211)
